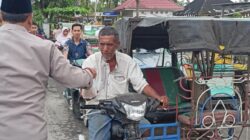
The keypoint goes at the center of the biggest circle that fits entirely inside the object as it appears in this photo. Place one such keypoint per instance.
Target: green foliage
(66, 13)
(67, 10)
(115, 2)
(38, 16)
(51, 9)
(237, 15)
(182, 2)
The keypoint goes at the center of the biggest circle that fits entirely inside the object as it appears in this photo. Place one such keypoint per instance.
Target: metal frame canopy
(233, 7)
(180, 34)
(202, 8)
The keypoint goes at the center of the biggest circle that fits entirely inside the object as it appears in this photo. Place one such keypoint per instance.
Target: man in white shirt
(115, 70)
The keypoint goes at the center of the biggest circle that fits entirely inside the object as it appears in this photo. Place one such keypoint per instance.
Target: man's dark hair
(14, 18)
(109, 31)
(34, 23)
(77, 24)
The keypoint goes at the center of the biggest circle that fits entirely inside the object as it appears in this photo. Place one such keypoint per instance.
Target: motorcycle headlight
(135, 113)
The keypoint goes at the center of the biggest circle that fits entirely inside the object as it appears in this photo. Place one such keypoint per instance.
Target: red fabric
(150, 4)
(154, 79)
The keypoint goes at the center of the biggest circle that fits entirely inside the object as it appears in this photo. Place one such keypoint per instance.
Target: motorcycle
(126, 112)
(73, 97)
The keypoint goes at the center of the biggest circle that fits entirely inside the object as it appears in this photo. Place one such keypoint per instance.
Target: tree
(237, 15)
(66, 12)
(49, 9)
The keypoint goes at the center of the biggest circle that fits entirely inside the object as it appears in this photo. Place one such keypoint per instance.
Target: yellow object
(226, 59)
(188, 70)
(221, 47)
(240, 66)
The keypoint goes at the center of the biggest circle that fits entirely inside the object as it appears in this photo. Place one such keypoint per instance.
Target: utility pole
(137, 8)
(96, 2)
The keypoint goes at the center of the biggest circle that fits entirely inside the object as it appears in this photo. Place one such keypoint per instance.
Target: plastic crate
(166, 131)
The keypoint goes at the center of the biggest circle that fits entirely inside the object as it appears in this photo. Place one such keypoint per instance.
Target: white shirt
(110, 84)
(56, 32)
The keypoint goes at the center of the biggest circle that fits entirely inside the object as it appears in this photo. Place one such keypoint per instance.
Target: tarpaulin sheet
(180, 34)
(192, 35)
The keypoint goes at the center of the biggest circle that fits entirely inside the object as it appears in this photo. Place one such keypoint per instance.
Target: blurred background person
(76, 47)
(34, 30)
(63, 36)
(56, 31)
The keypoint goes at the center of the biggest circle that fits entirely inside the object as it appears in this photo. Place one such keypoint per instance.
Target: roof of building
(150, 4)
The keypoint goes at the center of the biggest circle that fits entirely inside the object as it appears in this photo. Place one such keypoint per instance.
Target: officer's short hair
(14, 18)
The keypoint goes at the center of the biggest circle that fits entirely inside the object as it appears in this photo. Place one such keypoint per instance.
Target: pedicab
(219, 82)
(148, 45)
(210, 101)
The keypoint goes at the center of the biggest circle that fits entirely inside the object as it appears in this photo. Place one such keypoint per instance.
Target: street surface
(61, 123)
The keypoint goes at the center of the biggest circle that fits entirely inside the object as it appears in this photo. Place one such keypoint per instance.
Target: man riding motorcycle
(76, 49)
(115, 71)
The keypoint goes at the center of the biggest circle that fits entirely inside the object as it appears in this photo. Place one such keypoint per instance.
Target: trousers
(99, 125)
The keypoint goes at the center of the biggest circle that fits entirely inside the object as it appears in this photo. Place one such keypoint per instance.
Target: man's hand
(92, 71)
(164, 101)
(149, 91)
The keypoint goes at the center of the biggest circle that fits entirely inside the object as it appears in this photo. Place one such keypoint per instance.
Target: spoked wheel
(213, 134)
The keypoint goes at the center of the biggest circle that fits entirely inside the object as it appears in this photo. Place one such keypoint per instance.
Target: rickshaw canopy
(179, 34)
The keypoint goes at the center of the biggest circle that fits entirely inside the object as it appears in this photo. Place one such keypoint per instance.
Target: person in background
(26, 64)
(76, 47)
(64, 36)
(115, 71)
(56, 31)
(34, 30)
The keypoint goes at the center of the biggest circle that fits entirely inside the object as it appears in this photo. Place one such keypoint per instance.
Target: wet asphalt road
(61, 123)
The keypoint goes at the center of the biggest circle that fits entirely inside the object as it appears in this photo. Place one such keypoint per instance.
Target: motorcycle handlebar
(76, 65)
(91, 107)
(106, 105)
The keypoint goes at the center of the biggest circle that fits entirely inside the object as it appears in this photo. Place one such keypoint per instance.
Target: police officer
(26, 63)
